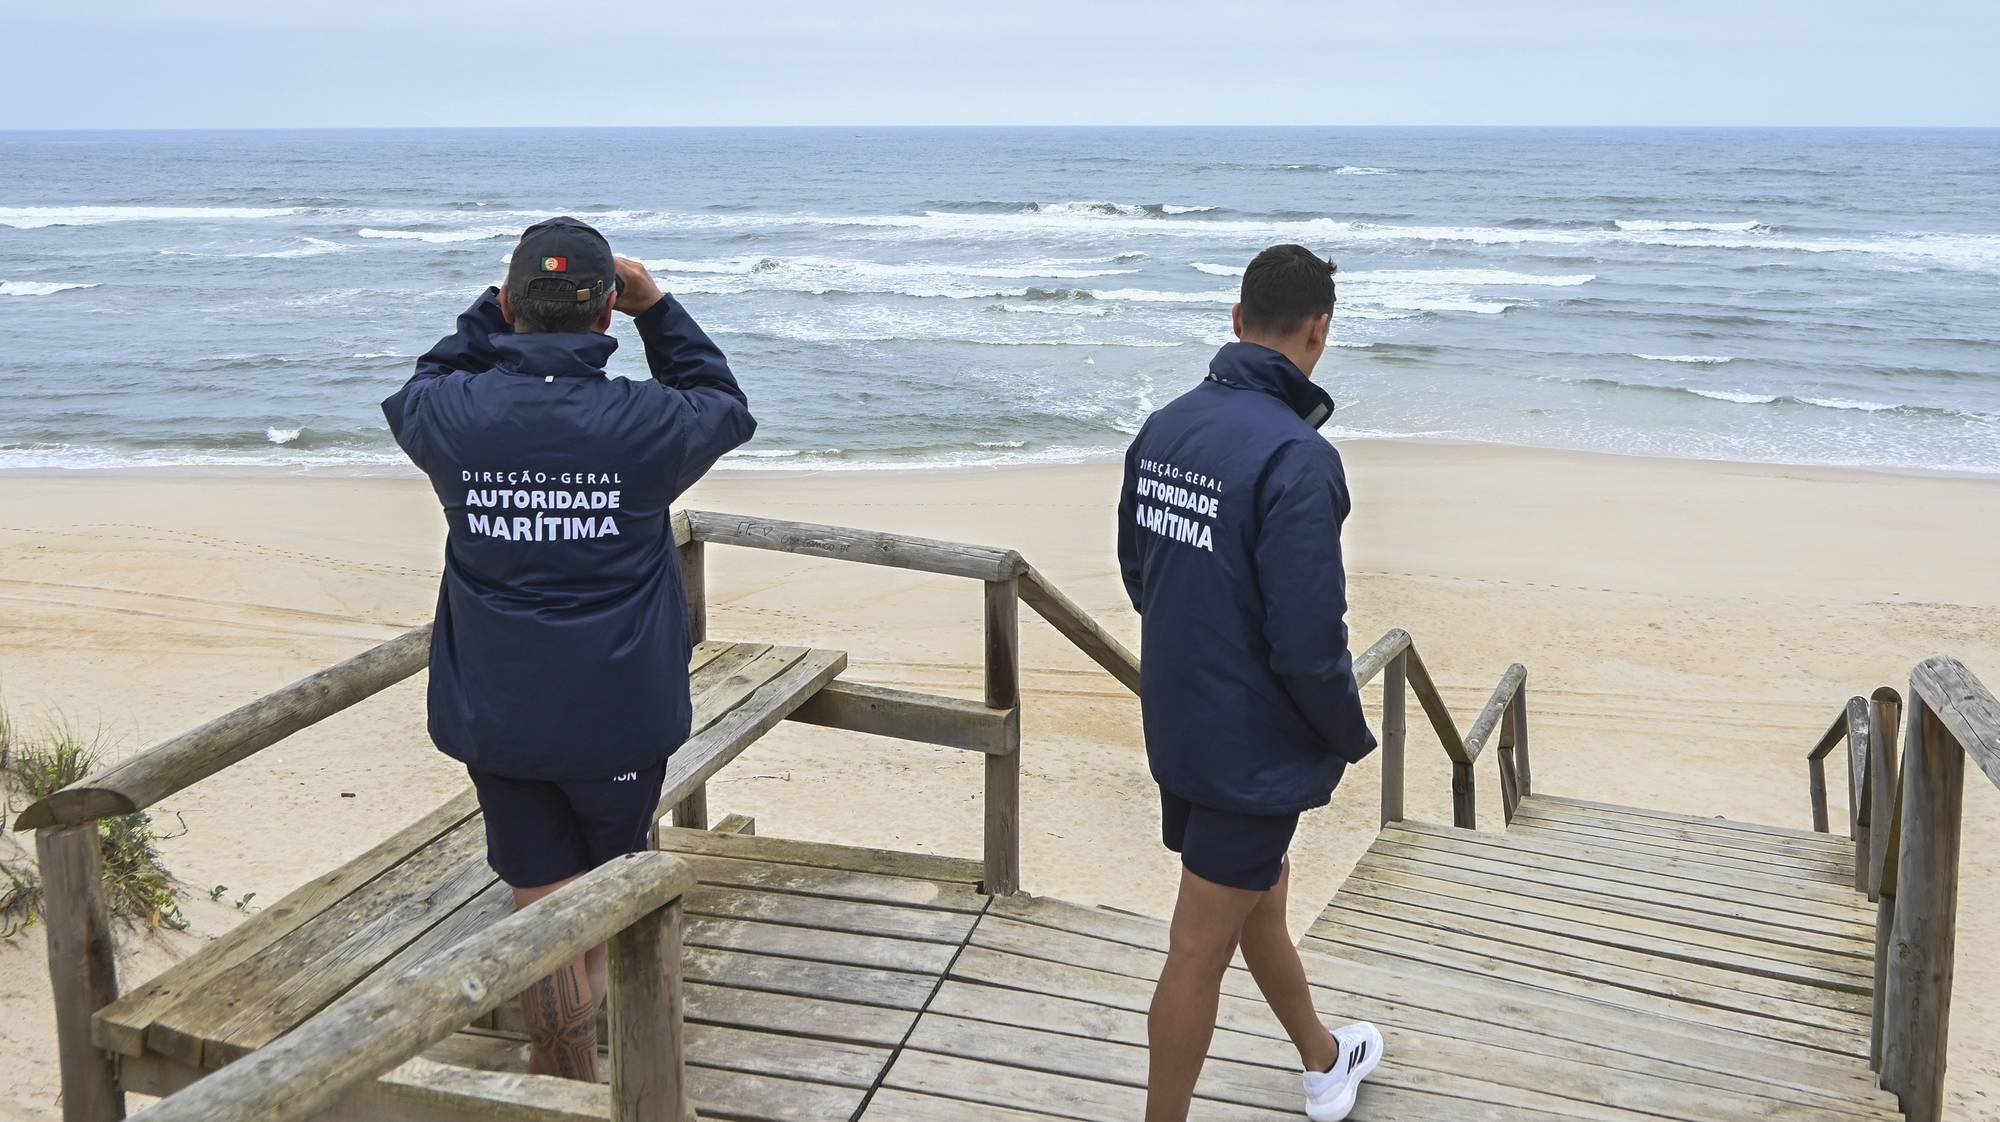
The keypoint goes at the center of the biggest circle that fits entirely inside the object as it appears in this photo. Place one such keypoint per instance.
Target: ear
(506, 307)
(1235, 319)
(604, 321)
(1318, 330)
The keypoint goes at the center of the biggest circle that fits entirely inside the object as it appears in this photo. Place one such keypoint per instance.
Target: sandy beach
(1690, 628)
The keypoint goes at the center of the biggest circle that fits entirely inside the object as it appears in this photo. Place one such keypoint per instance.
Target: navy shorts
(1244, 851)
(539, 832)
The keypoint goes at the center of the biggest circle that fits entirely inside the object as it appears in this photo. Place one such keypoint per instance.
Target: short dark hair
(1285, 286)
(554, 312)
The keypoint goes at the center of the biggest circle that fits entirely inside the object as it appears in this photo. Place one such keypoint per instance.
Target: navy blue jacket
(1229, 541)
(561, 648)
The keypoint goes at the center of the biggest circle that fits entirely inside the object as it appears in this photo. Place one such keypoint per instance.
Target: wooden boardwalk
(1591, 962)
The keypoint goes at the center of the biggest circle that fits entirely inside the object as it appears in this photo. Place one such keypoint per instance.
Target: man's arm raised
(687, 362)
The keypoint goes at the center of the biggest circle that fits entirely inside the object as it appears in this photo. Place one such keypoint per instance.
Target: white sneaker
(1330, 1094)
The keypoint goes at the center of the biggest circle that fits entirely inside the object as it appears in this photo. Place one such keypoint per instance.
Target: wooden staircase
(1607, 962)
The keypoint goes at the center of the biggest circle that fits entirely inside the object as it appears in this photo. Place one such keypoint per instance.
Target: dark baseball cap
(562, 259)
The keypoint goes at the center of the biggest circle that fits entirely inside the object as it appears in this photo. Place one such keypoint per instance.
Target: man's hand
(639, 290)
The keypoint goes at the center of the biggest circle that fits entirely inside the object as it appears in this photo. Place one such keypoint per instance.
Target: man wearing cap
(558, 671)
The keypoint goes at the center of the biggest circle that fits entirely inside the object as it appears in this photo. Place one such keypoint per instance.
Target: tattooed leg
(561, 1010)
(561, 1014)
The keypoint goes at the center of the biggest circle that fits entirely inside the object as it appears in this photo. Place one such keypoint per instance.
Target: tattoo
(561, 1014)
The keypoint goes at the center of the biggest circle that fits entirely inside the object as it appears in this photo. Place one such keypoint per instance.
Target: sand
(1690, 629)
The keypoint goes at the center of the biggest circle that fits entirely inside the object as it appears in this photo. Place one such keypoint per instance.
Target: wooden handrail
(1509, 703)
(1076, 625)
(1394, 657)
(172, 765)
(1951, 717)
(633, 902)
(869, 547)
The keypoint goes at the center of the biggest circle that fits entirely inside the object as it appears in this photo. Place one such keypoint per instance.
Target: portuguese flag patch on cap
(555, 264)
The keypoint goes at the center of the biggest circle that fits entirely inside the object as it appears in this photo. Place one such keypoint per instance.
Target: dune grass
(136, 885)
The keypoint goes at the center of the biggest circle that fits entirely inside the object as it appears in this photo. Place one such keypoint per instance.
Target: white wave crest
(36, 217)
(314, 247)
(1465, 277)
(1849, 403)
(281, 436)
(1174, 208)
(1651, 226)
(1154, 296)
(1694, 360)
(1214, 270)
(1351, 169)
(439, 237)
(1736, 396)
(37, 288)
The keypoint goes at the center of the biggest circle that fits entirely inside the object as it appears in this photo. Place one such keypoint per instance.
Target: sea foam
(36, 217)
(38, 288)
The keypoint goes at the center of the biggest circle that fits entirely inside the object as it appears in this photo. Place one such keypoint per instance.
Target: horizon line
(985, 125)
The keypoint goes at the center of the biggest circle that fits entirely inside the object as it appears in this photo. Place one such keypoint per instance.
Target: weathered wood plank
(1085, 1100)
(1920, 955)
(1667, 932)
(374, 922)
(868, 547)
(1350, 937)
(271, 995)
(83, 967)
(823, 855)
(393, 1020)
(1713, 832)
(122, 1026)
(860, 985)
(1525, 1021)
(709, 750)
(1076, 625)
(1671, 873)
(175, 764)
(1839, 934)
(812, 945)
(709, 1046)
(422, 1090)
(1525, 1053)
(895, 1105)
(929, 925)
(1443, 912)
(1965, 709)
(838, 884)
(820, 1019)
(907, 715)
(1725, 825)
(1783, 866)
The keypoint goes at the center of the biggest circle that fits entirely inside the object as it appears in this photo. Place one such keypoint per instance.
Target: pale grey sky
(222, 63)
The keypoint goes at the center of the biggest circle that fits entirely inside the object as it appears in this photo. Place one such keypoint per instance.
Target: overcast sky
(209, 63)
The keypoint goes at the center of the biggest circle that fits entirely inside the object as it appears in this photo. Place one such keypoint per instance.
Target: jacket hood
(1253, 366)
(559, 354)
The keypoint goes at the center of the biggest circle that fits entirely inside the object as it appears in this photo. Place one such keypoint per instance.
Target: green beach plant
(136, 885)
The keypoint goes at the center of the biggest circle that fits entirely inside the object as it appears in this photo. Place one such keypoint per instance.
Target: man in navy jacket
(559, 661)
(1229, 542)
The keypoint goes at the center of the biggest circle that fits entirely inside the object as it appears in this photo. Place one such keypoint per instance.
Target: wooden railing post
(1395, 732)
(1885, 715)
(1003, 770)
(648, 1050)
(1518, 721)
(83, 968)
(692, 812)
(1922, 939)
(1510, 782)
(1816, 783)
(1860, 814)
(694, 587)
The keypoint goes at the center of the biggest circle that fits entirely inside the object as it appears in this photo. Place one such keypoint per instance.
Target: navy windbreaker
(1229, 541)
(561, 648)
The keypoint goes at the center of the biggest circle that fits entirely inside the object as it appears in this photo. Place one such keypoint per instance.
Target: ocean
(897, 298)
